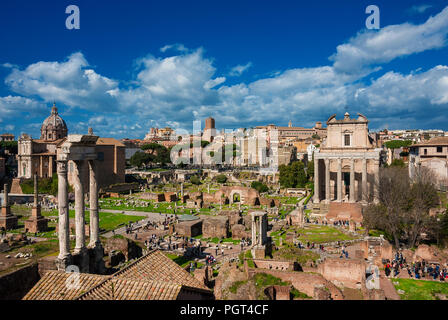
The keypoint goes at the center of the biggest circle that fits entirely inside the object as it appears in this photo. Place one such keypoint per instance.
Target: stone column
(96, 252)
(36, 195)
(376, 189)
(64, 257)
(364, 179)
(94, 216)
(316, 181)
(50, 166)
(5, 196)
(352, 180)
(339, 182)
(254, 231)
(182, 190)
(260, 237)
(79, 207)
(327, 180)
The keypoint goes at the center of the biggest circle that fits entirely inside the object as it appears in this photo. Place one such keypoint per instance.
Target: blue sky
(136, 64)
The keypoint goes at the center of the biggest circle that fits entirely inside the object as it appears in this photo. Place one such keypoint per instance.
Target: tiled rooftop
(53, 286)
(152, 277)
(125, 289)
(157, 266)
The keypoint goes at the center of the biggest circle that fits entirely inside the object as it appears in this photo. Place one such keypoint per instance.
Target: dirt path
(388, 287)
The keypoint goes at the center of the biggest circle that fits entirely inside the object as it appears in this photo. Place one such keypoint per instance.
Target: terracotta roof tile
(53, 286)
(157, 266)
(152, 277)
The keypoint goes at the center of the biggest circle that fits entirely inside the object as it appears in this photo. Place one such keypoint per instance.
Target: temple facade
(347, 165)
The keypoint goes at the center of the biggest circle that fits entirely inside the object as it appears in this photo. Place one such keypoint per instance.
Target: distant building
(7, 137)
(38, 156)
(164, 133)
(290, 133)
(209, 130)
(432, 154)
(111, 163)
(347, 164)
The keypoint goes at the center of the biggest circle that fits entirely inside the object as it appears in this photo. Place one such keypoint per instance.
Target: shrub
(221, 178)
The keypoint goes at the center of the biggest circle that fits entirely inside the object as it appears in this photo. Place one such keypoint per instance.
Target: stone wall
(215, 227)
(233, 215)
(275, 265)
(304, 282)
(126, 246)
(239, 232)
(348, 273)
(189, 228)
(15, 285)
(158, 197)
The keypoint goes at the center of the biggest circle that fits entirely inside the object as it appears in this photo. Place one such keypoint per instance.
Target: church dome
(54, 126)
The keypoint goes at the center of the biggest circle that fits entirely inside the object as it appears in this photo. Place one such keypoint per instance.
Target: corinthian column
(327, 180)
(93, 197)
(364, 179)
(339, 182)
(79, 207)
(64, 257)
(316, 181)
(352, 180)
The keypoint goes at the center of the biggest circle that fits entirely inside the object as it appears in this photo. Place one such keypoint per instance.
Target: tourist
(387, 270)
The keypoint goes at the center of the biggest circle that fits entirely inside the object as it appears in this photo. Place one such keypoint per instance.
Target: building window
(425, 151)
(346, 140)
(439, 149)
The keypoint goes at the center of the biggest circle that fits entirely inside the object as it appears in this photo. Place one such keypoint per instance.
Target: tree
(403, 204)
(11, 146)
(395, 144)
(388, 214)
(398, 163)
(140, 158)
(310, 168)
(259, 186)
(221, 178)
(195, 180)
(158, 153)
(423, 196)
(293, 175)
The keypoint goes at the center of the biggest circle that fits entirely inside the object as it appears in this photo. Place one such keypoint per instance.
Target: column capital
(61, 166)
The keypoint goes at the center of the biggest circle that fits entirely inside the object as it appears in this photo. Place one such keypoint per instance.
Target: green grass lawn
(322, 234)
(290, 253)
(108, 220)
(420, 289)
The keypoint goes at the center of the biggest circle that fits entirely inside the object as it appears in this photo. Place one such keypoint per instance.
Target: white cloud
(71, 82)
(177, 89)
(419, 8)
(369, 48)
(16, 106)
(239, 69)
(177, 47)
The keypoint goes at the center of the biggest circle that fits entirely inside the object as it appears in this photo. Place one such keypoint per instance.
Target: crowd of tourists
(417, 270)
(209, 260)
